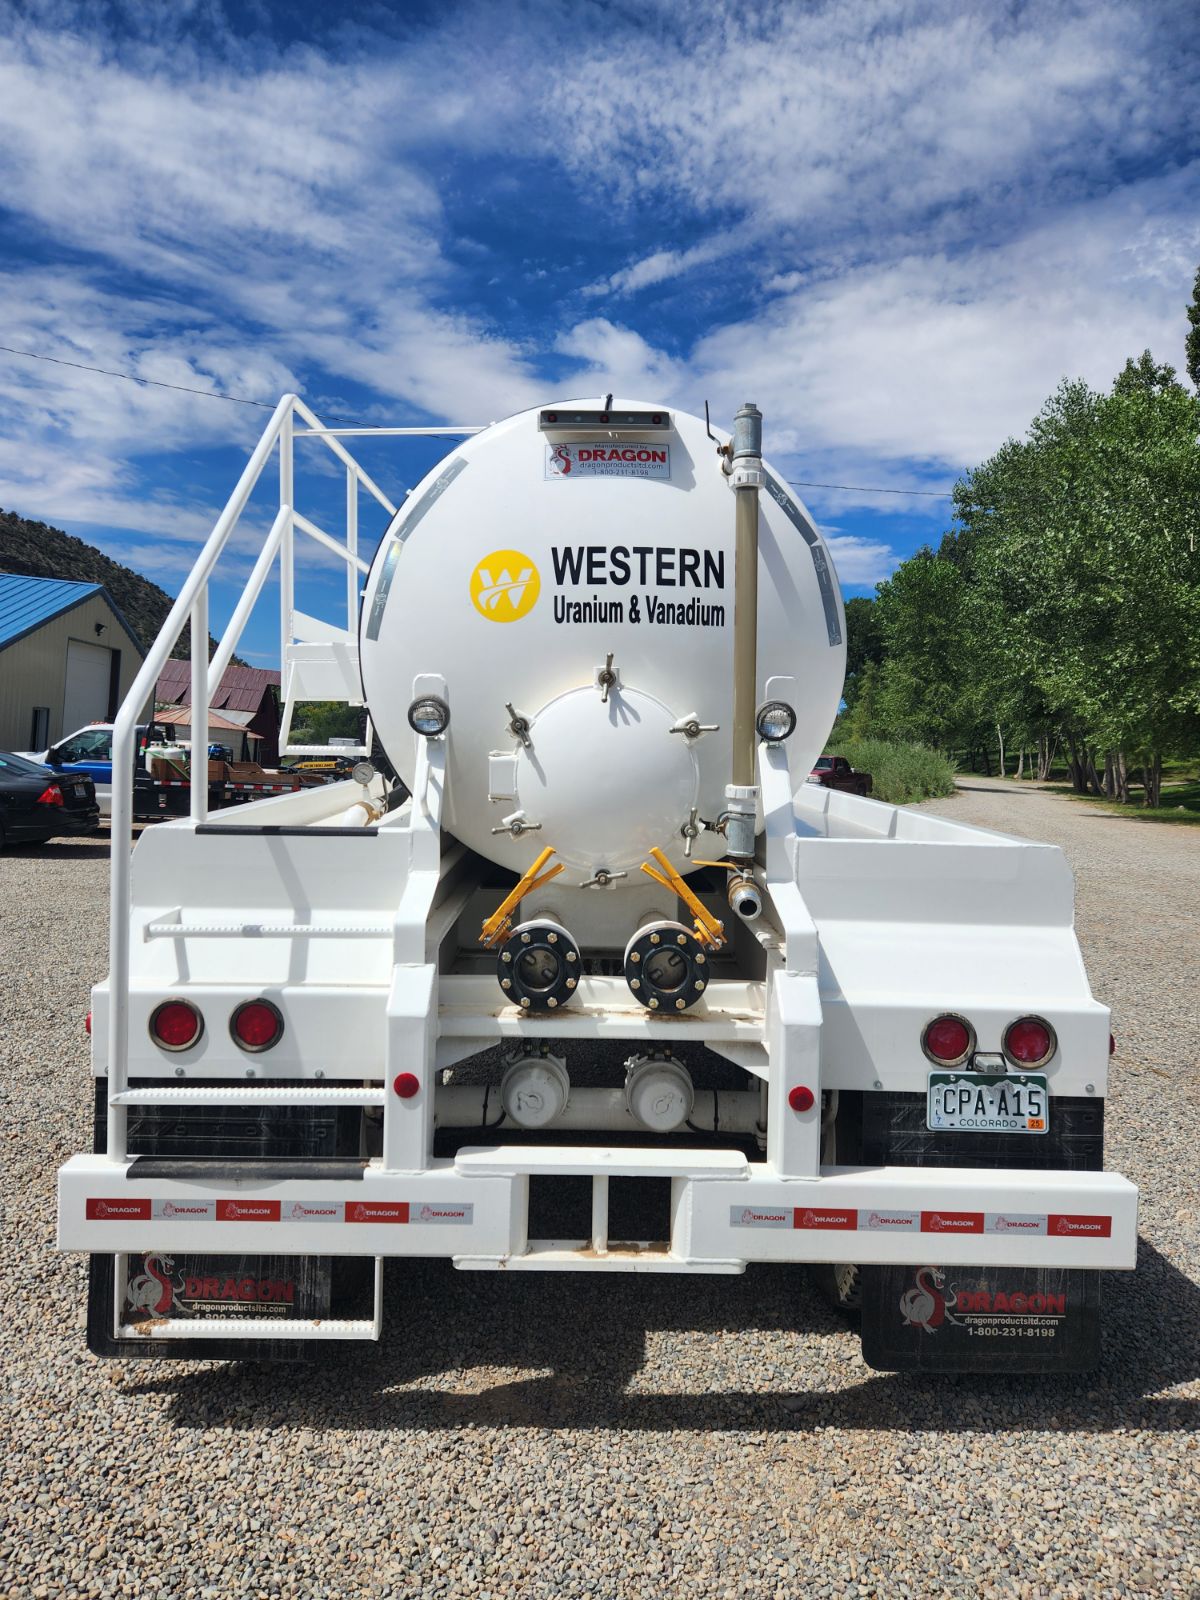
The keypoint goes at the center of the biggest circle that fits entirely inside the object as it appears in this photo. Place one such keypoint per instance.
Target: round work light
(429, 714)
(775, 720)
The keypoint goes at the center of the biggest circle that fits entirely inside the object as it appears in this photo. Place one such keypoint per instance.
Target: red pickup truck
(835, 772)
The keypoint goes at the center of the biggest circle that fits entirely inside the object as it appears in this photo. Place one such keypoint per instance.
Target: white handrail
(344, 456)
(124, 731)
(389, 433)
(192, 605)
(250, 594)
(329, 542)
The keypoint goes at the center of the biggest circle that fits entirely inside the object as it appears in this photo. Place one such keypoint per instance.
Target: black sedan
(37, 804)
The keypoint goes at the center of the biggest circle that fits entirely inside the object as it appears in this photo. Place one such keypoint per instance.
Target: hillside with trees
(36, 550)
(1059, 618)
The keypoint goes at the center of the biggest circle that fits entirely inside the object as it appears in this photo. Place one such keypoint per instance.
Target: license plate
(988, 1102)
(80, 791)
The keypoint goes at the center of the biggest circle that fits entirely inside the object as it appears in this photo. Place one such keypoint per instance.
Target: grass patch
(902, 773)
(1180, 803)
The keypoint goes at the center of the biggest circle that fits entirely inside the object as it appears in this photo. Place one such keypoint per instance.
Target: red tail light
(257, 1025)
(1029, 1042)
(51, 795)
(948, 1040)
(87, 1022)
(176, 1025)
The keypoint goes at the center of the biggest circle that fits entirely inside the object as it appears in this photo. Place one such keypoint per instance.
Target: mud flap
(980, 1319)
(261, 1291)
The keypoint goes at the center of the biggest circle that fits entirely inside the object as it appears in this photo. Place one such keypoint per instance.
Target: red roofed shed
(248, 696)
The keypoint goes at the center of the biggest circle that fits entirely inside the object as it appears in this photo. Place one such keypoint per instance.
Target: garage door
(86, 696)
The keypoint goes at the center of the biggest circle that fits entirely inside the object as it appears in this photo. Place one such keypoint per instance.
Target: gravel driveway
(567, 1435)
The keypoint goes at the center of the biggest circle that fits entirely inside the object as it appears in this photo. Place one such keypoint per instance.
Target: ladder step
(300, 1095)
(238, 1328)
(326, 750)
(246, 1169)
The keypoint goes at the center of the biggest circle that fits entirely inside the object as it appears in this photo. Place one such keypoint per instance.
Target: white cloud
(836, 118)
(920, 216)
(938, 358)
(861, 562)
(663, 265)
(617, 360)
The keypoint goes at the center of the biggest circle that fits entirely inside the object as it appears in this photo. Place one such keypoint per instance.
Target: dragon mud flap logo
(505, 586)
(981, 1309)
(159, 1286)
(926, 1305)
(151, 1292)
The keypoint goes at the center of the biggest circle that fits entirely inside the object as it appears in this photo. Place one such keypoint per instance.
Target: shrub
(902, 773)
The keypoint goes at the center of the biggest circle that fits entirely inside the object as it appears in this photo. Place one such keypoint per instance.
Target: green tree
(1192, 342)
(318, 721)
(1086, 599)
(864, 643)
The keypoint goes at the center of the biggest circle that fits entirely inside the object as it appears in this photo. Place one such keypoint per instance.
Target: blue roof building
(67, 657)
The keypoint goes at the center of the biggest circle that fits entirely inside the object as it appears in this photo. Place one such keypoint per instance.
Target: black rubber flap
(980, 1319)
(263, 1291)
(193, 1169)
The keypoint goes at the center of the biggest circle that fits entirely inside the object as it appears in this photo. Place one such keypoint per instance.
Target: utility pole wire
(266, 405)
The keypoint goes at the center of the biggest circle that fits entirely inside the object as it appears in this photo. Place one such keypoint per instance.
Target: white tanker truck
(578, 973)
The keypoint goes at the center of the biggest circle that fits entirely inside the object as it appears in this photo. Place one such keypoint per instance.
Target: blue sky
(894, 226)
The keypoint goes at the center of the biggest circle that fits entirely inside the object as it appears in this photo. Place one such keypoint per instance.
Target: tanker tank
(567, 586)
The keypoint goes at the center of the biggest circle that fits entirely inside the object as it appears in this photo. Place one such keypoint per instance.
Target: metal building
(247, 696)
(67, 657)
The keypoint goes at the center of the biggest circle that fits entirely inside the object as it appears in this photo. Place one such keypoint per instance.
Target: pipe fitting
(745, 897)
(747, 432)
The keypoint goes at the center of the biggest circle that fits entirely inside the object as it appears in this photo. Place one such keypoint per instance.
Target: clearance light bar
(642, 421)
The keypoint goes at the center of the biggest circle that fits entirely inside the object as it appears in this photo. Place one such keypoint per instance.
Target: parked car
(835, 772)
(37, 804)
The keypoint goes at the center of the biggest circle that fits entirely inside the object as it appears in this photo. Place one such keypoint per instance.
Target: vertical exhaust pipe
(746, 472)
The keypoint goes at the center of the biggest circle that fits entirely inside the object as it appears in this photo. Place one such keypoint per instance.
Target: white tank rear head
(570, 583)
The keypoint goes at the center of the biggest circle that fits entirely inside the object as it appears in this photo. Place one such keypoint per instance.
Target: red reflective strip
(118, 1210)
(247, 1210)
(377, 1211)
(811, 1217)
(1063, 1224)
(952, 1222)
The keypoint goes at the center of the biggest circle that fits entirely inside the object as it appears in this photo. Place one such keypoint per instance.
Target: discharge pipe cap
(659, 1094)
(534, 1090)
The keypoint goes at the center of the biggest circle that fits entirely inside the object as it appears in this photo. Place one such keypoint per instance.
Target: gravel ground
(565, 1436)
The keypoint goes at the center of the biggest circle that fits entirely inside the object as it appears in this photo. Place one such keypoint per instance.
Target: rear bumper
(63, 824)
(725, 1212)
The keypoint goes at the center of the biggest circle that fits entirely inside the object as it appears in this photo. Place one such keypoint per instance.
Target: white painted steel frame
(717, 1199)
